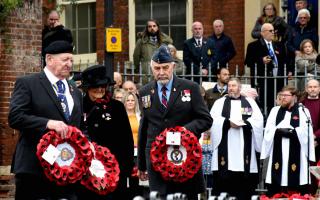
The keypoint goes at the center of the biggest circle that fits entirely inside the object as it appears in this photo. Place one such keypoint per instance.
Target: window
(171, 15)
(81, 20)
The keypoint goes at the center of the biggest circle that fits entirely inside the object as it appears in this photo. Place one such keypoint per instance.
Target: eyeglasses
(271, 31)
(285, 95)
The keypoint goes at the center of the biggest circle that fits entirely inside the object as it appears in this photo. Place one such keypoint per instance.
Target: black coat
(112, 131)
(33, 103)
(196, 55)
(193, 115)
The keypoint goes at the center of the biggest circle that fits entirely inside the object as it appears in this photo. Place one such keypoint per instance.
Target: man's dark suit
(255, 52)
(33, 103)
(196, 55)
(193, 115)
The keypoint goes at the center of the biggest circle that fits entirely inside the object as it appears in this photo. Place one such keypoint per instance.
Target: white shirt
(53, 80)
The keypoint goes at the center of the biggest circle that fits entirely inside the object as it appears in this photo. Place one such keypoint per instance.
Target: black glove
(285, 132)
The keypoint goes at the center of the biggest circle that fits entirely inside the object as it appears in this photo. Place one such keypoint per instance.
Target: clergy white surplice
(235, 135)
(302, 132)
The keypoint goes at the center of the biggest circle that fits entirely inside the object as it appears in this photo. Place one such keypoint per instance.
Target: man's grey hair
(304, 11)
(218, 21)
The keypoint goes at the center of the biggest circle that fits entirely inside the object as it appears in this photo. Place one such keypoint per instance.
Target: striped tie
(164, 99)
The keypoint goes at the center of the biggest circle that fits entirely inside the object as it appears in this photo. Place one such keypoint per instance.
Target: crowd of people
(127, 118)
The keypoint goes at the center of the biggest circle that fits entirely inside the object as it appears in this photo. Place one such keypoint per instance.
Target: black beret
(162, 55)
(94, 76)
(59, 46)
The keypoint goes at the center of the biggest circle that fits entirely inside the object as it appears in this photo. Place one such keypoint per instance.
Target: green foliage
(6, 7)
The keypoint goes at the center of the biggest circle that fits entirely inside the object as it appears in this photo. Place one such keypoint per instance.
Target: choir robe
(302, 132)
(235, 135)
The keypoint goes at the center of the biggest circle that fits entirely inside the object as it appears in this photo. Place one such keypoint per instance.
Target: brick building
(20, 42)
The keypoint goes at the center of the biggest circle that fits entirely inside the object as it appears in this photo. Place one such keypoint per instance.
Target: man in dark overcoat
(264, 53)
(36, 108)
(182, 106)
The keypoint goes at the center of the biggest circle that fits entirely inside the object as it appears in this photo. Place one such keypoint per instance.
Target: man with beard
(312, 102)
(167, 102)
(289, 146)
(148, 41)
(236, 137)
(220, 89)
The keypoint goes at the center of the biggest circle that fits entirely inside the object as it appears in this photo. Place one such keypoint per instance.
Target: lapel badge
(174, 89)
(146, 102)
(209, 52)
(152, 91)
(106, 116)
(186, 96)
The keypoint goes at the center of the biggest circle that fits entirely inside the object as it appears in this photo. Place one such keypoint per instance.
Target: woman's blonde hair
(136, 106)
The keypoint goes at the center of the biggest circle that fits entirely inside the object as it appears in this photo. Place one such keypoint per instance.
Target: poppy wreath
(73, 172)
(108, 183)
(170, 170)
(293, 196)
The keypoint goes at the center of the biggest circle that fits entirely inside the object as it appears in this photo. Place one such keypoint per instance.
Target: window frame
(132, 29)
(78, 59)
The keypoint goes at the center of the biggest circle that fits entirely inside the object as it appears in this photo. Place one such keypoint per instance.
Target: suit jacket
(258, 49)
(33, 103)
(197, 55)
(213, 94)
(193, 115)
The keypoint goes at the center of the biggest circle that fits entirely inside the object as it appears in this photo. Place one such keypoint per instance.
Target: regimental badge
(223, 162)
(185, 95)
(276, 166)
(177, 154)
(146, 101)
(293, 167)
(246, 111)
(66, 154)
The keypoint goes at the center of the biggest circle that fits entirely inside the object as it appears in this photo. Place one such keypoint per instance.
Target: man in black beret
(42, 102)
(169, 101)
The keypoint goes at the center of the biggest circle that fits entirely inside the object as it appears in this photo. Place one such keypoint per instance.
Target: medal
(185, 96)
(146, 101)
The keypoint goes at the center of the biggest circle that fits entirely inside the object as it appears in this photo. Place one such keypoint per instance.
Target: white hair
(218, 21)
(304, 11)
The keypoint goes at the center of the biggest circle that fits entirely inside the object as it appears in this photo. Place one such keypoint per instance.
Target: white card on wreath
(173, 138)
(51, 154)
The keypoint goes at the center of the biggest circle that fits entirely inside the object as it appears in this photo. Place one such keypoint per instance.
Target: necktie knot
(199, 43)
(164, 89)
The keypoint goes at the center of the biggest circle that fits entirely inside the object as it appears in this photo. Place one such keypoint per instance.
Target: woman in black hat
(106, 123)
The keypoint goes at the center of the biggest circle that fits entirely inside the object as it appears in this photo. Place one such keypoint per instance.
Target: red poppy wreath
(177, 163)
(103, 174)
(70, 157)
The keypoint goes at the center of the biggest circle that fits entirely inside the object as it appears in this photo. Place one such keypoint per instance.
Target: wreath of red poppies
(64, 175)
(170, 170)
(290, 196)
(109, 182)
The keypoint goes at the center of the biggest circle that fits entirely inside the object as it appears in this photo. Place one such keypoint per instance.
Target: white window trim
(132, 29)
(78, 58)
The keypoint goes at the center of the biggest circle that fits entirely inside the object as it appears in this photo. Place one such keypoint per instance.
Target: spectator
(269, 15)
(42, 102)
(106, 122)
(220, 89)
(54, 31)
(151, 39)
(301, 31)
(164, 106)
(264, 53)
(180, 68)
(197, 52)
(117, 77)
(306, 59)
(129, 86)
(236, 137)
(312, 102)
(223, 45)
(285, 143)
(301, 4)
(118, 94)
